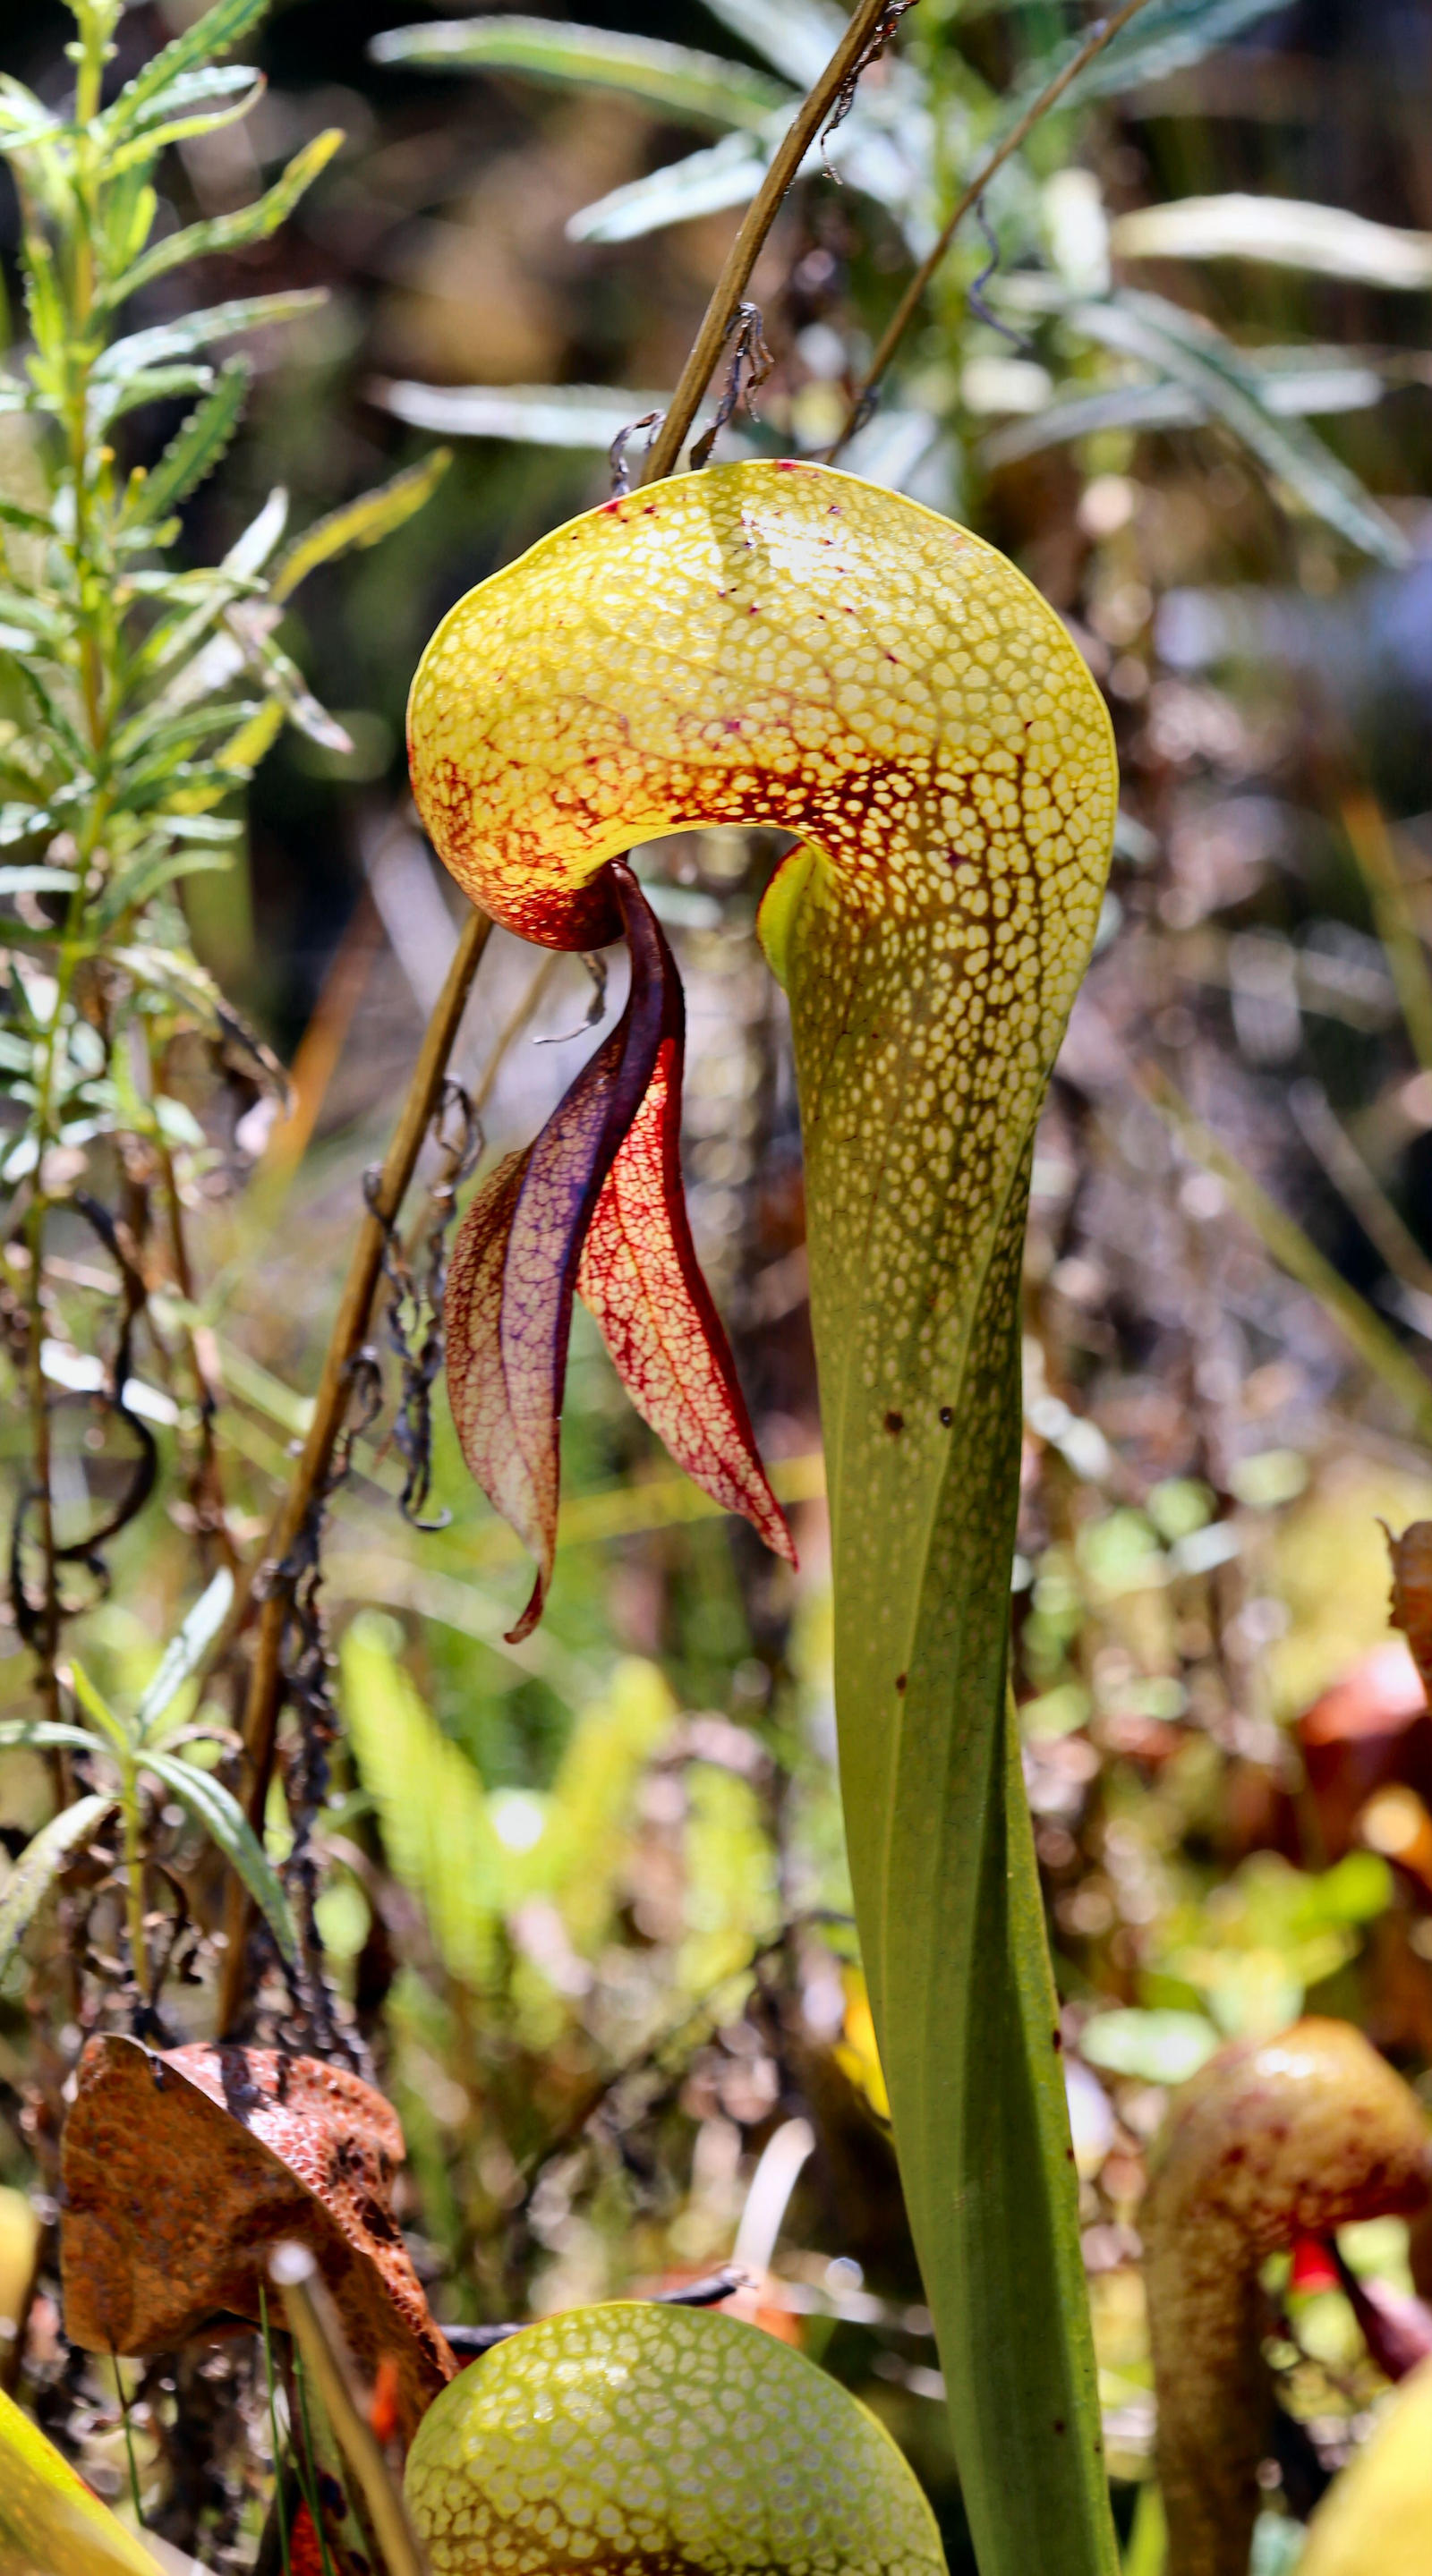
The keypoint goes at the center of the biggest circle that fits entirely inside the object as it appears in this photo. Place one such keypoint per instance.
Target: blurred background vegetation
(585, 1897)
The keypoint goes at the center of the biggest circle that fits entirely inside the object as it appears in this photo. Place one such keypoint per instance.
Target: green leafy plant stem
(96, 24)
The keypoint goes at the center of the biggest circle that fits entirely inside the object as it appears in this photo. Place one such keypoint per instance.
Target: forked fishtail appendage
(596, 1205)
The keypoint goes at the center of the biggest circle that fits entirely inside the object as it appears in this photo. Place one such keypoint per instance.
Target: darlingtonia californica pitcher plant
(779, 644)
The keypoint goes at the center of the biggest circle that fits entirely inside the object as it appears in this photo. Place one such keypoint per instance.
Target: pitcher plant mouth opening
(596, 1207)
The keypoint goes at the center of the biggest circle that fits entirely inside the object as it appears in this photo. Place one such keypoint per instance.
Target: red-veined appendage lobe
(596, 1204)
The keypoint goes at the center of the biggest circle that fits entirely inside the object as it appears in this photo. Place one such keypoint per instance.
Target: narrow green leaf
(38, 880)
(281, 674)
(241, 757)
(63, 737)
(189, 784)
(196, 448)
(23, 117)
(48, 2517)
(1169, 36)
(45, 1735)
(676, 79)
(728, 173)
(126, 219)
(42, 1861)
(195, 331)
(1311, 384)
(209, 829)
(363, 522)
(137, 885)
(1282, 231)
(175, 734)
(588, 416)
(223, 1820)
(18, 608)
(1183, 346)
(21, 823)
(213, 86)
(111, 399)
(15, 516)
(97, 1708)
(306, 713)
(246, 224)
(217, 32)
(251, 551)
(43, 301)
(797, 39)
(199, 104)
(185, 1652)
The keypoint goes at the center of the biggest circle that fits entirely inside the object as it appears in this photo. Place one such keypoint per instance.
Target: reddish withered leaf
(183, 2169)
(597, 1202)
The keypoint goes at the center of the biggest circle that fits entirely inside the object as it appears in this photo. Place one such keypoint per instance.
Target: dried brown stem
(1100, 35)
(330, 1405)
(807, 123)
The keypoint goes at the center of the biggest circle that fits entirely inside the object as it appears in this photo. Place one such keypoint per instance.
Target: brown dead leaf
(183, 2168)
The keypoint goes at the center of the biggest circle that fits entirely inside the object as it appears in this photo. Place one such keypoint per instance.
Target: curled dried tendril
(749, 352)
